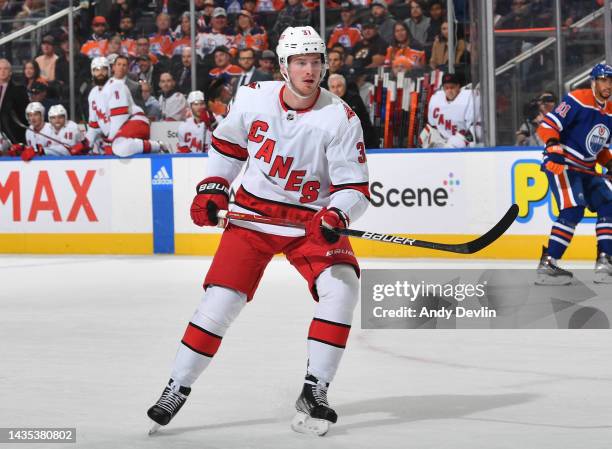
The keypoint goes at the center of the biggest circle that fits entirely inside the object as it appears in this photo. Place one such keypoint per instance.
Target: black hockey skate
(314, 415)
(549, 273)
(603, 269)
(170, 402)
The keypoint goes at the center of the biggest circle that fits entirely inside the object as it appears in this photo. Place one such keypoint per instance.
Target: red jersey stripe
(230, 149)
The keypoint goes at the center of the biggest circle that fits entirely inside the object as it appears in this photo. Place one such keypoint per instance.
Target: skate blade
(302, 423)
(602, 278)
(549, 280)
(154, 428)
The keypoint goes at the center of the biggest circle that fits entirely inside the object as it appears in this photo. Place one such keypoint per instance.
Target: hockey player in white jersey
(194, 133)
(451, 119)
(306, 162)
(115, 121)
(65, 132)
(36, 136)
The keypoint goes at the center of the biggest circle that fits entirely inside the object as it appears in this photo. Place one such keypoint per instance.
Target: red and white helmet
(57, 110)
(195, 97)
(34, 107)
(99, 62)
(299, 41)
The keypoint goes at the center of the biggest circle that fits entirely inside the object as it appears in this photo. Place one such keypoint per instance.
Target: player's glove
(27, 154)
(183, 150)
(320, 227)
(212, 196)
(554, 154)
(15, 149)
(80, 148)
(207, 118)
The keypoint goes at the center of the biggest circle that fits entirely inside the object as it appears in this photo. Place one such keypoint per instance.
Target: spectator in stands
(182, 36)
(8, 11)
(120, 9)
(82, 74)
(532, 117)
(161, 40)
(418, 23)
(143, 48)
(223, 64)
(219, 94)
(547, 101)
(363, 86)
(147, 73)
(114, 47)
(218, 34)
(246, 61)
(294, 14)
(13, 101)
(401, 47)
(128, 34)
(439, 50)
(370, 52)
(337, 85)
(384, 21)
(251, 6)
(30, 10)
(335, 62)
(96, 44)
(270, 5)
(151, 105)
(248, 34)
(46, 61)
(437, 15)
(205, 17)
(347, 32)
(267, 62)
(39, 92)
(182, 73)
(31, 74)
(172, 103)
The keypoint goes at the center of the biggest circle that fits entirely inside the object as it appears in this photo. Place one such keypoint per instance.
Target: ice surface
(88, 342)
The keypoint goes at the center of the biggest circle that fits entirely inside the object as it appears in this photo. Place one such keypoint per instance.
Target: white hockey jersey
(454, 117)
(109, 108)
(297, 161)
(70, 135)
(193, 137)
(37, 141)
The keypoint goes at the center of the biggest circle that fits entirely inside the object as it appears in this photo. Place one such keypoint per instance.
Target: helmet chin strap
(285, 74)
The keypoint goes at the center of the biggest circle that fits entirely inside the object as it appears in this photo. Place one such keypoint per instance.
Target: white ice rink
(88, 342)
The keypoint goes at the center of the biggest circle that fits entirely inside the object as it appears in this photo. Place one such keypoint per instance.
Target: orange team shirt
(416, 56)
(179, 44)
(231, 69)
(347, 36)
(257, 40)
(128, 46)
(161, 44)
(93, 49)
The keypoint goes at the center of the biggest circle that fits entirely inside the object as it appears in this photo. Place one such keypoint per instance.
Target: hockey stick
(589, 172)
(470, 247)
(24, 126)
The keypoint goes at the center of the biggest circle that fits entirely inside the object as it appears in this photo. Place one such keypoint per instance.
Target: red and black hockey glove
(15, 149)
(212, 196)
(80, 148)
(554, 154)
(28, 153)
(320, 227)
(207, 118)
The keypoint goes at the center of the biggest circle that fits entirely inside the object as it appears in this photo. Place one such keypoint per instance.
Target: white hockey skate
(170, 402)
(549, 273)
(603, 269)
(314, 416)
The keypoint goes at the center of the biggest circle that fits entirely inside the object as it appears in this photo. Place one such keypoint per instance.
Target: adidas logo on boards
(162, 177)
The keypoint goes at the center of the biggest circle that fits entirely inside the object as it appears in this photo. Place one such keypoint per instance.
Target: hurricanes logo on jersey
(597, 138)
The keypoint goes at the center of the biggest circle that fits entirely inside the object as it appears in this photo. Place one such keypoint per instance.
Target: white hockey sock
(338, 289)
(218, 308)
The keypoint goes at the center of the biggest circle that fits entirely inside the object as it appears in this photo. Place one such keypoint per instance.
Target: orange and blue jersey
(347, 36)
(582, 126)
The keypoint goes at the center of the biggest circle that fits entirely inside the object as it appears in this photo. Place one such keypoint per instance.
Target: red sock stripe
(201, 341)
(604, 231)
(328, 332)
(561, 233)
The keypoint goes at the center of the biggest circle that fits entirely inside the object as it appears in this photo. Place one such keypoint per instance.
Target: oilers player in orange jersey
(577, 136)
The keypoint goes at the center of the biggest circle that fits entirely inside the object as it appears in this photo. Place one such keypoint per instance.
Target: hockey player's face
(603, 88)
(58, 121)
(305, 73)
(35, 119)
(451, 90)
(100, 76)
(196, 108)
